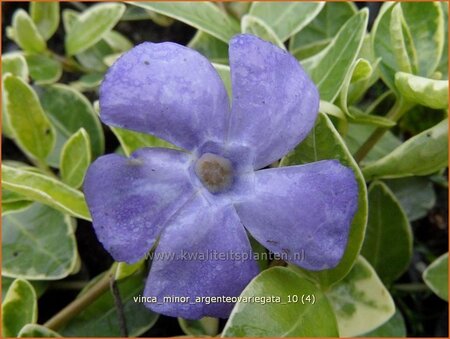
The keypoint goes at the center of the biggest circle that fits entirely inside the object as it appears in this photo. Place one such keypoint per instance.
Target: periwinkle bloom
(207, 196)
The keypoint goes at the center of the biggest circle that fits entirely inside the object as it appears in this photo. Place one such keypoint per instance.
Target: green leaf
(15, 64)
(360, 70)
(401, 40)
(422, 31)
(43, 69)
(319, 33)
(388, 234)
(75, 158)
(422, 154)
(46, 17)
(44, 189)
(324, 142)
(37, 331)
(256, 26)
(356, 136)
(424, 91)
(69, 110)
(214, 49)
(360, 301)
(357, 89)
(415, 194)
(92, 25)
(18, 308)
(426, 24)
(436, 276)
(286, 18)
(283, 308)
(393, 328)
(131, 141)
(26, 33)
(329, 68)
(205, 16)
(31, 128)
(99, 319)
(200, 328)
(38, 243)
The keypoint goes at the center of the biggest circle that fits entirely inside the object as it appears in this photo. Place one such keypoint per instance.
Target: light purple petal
(200, 229)
(130, 199)
(167, 90)
(274, 102)
(303, 213)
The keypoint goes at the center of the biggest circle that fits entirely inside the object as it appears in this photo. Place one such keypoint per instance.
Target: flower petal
(303, 213)
(131, 198)
(274, 102)
(167, 90)
(200, 254)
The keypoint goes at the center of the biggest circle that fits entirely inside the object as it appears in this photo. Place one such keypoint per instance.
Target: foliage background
(423, 198)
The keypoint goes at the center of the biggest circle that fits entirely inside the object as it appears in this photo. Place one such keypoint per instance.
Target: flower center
(215, 172)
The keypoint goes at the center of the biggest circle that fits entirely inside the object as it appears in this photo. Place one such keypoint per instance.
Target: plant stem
(119, 307)
(400, 107)
(76, 306)
(417, 287)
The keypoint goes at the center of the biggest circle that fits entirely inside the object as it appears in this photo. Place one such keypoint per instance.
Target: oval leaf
(26, 33)
(92, 25)
(75, 158)
(46, 17)
(291, 313)
(49, 191)
(436, 276)
(388, 234)
(38, 243)
(18, 308)
(423, 154)
(424, 91)
(360, 300)
(31, 128)
(324, 142)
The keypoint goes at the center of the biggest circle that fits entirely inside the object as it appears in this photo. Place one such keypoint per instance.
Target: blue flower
(207, 196)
